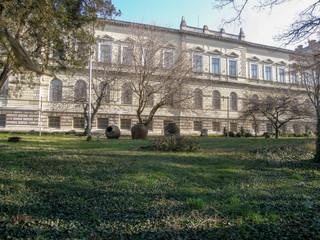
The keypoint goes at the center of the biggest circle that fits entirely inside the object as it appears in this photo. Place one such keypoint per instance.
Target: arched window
(126, 94)
(269, 99)
(216, 100)
(168, 95)
(55, 90)
(80, 91)
(306, 103)
(198, 99)
(107, 91)
(255, 98)
(149, 96)
(233, 101)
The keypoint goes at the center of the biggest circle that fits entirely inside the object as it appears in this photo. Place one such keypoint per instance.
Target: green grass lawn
(54, 187)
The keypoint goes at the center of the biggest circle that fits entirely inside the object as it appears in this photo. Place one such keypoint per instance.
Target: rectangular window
(102, 123)
(306, 78)
(254, 71)
(78, 122)
(127, 55)
(269, 127)
(148, 57)
(268, 73)
(216, 126)
(233, 68)
(282, 76)
(197, 63)
(3, 119)
(234, 127)
(215, 65)
(54, 122)
(105, 53)
(197, 126)
(168, 59)
(125, 124)
(293, 78)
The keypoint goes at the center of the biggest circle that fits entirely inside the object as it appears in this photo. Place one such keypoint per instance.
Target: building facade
(227, 68)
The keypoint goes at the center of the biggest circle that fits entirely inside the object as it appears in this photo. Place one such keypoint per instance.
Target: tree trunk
(277, 132)
(4, 76)
(317, 155)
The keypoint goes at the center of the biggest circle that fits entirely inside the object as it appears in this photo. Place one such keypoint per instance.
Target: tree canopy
(54, 33)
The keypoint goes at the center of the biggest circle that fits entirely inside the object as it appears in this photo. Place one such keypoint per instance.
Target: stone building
(226, 64)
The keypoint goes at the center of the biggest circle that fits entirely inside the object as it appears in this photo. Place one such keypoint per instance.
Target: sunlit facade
(228, 67)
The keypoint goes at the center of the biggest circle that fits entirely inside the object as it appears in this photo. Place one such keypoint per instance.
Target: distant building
(228, 64)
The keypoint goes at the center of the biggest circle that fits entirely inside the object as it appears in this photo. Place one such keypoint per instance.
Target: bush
(71, 132)
(172, 129)
(231, 134)
(224, 131)
(248, 134)
(242, 132)
(238, 134)
(266, 135)
(175, 143)
(308, 134)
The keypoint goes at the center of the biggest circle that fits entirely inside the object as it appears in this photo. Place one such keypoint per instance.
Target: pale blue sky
(259, 27)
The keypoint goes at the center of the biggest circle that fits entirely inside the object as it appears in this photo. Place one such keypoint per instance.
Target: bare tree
(305, 68)
(104, 76)
(306, 25)
(278, 107)
(251, 109)
(158, 71)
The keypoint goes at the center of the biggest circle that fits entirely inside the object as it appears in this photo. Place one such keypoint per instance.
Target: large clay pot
(139, 131)
(113, 132)
(172, 129)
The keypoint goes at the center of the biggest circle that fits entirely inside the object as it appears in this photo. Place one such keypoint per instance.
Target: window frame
(265, 73)
(281, 76)
(213, 100)
(3, 119)
(53, 92)
(124, 125)
(126, 87)
(218, 126)
(80, 93)
(54, 124)
(212, 69)
(196, 67)
(164, 51)
(99, 121)
(236, 99)
(99, 52)
(197, 126)
(198, 99)
(229, 67)
(232, 125)
(257, 70)
(76, 123)
(129, 61)
(293, 75)
(144, 50)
